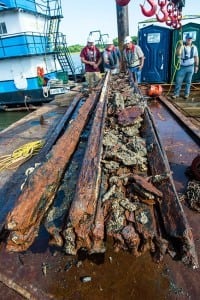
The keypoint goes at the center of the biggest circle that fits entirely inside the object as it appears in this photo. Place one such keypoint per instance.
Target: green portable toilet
(178, 35)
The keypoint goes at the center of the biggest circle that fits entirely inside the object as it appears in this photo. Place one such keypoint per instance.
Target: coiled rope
(20, 155)
(176, 64)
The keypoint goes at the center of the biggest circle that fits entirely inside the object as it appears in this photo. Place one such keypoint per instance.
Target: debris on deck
(102, 175)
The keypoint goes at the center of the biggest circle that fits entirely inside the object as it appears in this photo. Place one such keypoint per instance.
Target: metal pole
(122, 24)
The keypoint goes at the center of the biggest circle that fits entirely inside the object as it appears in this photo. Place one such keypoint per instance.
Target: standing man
(134, 59)
(189, 64)
(111, 57)
(91, 57)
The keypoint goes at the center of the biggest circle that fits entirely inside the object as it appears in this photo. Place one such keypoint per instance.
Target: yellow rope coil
(176, 64)
(20, 155)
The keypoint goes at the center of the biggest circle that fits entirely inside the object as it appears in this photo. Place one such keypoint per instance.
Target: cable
(176, 64)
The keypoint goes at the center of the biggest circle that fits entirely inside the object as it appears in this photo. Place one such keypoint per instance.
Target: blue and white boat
(34, 58)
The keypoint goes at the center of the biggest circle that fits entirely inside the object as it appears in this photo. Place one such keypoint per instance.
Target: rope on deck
(20, 155)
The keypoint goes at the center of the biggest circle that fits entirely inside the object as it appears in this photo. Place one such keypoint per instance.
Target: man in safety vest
(134, 59)
(91, 56)
(111, 57)
(189, 64)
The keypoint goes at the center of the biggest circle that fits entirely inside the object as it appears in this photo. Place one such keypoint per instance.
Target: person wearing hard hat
(134, 59)
(189, 64)
(111, 57)
(91, 56)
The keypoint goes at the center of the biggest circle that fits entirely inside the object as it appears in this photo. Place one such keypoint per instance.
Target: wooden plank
(194, 105)
(83, 209)
(11, 180)
(192, 113)
(172, 213)
(24, 220)
(181, 117)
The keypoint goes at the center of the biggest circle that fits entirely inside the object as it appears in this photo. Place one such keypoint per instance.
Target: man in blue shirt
(111, 57)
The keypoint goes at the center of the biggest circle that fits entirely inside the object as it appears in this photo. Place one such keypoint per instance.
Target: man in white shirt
(189, 64)
(134, 59)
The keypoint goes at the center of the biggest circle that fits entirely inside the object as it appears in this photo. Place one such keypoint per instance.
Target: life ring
(40, 71)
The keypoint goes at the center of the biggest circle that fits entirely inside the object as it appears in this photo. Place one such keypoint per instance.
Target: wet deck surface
(115, 276)
(181, 149)
(46, 273)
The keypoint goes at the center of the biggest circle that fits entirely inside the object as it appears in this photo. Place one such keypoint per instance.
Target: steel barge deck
(44, 272)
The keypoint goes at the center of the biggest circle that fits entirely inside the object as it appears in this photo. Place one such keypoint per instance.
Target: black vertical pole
(122, 24)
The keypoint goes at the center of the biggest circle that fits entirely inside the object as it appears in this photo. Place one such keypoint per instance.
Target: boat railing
(25, 43)
(100, 39)
(34, 43)
(51, 8)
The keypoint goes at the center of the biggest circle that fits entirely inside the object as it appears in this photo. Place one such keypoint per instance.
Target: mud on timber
(129, 200)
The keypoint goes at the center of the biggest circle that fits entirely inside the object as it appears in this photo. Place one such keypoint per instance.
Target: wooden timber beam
(12, 188)
(39, 191)
(172, 213)
(195, 131)
(85, 204)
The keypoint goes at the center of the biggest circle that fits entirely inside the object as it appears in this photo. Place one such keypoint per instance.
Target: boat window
(3, 28)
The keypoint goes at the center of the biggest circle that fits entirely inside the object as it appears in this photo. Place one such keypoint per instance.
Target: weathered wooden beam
(40, 189)
(11, 189)
(60, 127)
(172, 213)
(83, 209)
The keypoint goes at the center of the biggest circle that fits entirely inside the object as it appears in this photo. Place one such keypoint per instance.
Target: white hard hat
(109, 41)
(127, 39)
(90, 39)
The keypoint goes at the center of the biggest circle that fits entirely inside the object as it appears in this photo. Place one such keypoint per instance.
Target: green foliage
(115, 41)
(135, 39)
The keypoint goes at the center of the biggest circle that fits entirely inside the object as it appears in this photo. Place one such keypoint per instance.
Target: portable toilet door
(154, 41)
(179, 36)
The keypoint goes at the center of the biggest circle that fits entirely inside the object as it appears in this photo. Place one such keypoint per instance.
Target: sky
(82, 16)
